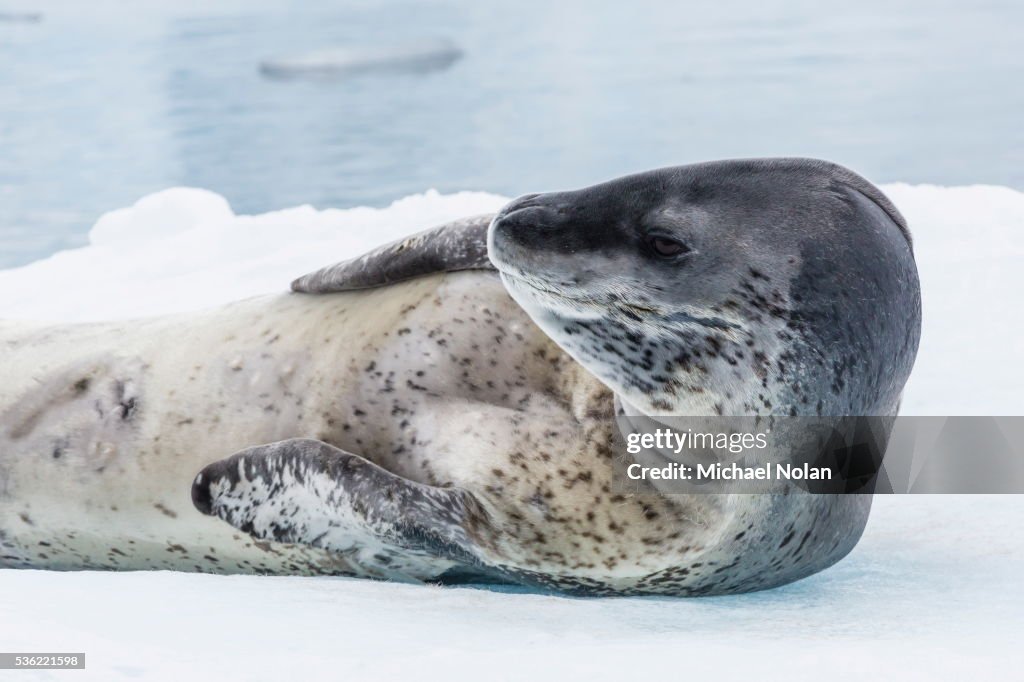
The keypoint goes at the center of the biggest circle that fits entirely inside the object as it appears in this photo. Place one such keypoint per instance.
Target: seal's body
(441, 429)
(105, 426)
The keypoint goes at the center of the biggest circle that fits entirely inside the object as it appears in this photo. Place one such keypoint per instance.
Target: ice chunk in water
(412, 57)
(20, 17)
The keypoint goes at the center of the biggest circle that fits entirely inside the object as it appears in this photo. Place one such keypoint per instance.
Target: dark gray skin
(751, 287)
(805, 249)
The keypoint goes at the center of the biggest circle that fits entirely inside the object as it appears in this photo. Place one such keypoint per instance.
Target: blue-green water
(103, 102)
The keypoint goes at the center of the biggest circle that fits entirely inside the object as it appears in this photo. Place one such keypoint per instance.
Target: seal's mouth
(543, 290)
(556, 299)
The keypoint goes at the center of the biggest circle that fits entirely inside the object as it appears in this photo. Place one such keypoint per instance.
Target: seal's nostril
(519, 203)
(527, 220)
(522, 201)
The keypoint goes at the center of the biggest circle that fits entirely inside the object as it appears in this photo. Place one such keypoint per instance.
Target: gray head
(772, 286)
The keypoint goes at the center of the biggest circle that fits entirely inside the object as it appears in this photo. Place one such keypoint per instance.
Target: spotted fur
(438, 430)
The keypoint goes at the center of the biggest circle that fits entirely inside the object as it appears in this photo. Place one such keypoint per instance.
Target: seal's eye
(666, 248)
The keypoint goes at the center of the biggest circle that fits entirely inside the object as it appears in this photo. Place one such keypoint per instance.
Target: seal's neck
(697, 363)
(686, 370)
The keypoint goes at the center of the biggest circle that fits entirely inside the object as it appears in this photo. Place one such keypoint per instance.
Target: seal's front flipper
(306, 491)
(459, 245)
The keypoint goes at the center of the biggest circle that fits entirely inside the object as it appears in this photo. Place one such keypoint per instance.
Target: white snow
(184, 249)
(933, 591)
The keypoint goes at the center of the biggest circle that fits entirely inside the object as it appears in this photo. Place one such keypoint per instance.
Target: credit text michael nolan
(729, 472)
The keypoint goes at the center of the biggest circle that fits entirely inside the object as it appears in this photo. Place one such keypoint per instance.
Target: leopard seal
(413, 415)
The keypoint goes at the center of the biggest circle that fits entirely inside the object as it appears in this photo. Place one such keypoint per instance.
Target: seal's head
(774, 286)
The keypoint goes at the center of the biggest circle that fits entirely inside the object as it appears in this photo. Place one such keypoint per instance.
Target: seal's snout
(523, 201)
(527, 223)
(540, 235)
(201, 497)
(526, 213)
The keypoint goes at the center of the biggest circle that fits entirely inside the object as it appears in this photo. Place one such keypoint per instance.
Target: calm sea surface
(103, 102)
